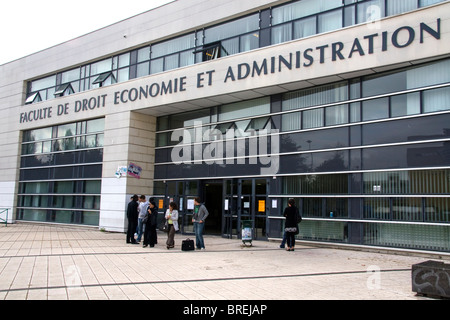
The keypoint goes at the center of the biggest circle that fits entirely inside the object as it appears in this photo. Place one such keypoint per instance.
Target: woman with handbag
(172, 222)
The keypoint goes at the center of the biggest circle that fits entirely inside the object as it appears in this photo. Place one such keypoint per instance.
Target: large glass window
(330, 21)
(302, 9)
(413, 78)
(370, 11)
(245, 109)
(315, 96)
(232, 29)
(70, 180)
(399, 6)
(316, 184)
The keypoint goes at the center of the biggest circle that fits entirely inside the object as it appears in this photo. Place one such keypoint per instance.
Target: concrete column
(129, 138)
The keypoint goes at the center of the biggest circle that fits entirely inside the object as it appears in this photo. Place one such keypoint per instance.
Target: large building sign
(368, 44)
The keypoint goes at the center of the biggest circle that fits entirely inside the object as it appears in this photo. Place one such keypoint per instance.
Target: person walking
(142, 210)
(291, 214)
(132, 215)
(172, 222)
(150, 220)
(199, 217)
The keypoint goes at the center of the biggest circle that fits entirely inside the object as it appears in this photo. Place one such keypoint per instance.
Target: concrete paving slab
(62, 262)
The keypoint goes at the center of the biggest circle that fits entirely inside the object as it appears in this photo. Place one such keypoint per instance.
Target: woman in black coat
(150, 219)
(291, 214)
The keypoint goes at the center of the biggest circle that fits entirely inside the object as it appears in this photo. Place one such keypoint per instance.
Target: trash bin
(247, 231)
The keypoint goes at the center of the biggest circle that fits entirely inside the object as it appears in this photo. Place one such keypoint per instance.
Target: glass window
(174, 45)
(416, 129)
(300, 9)
(124, 60)
(305, 28)
(436, 100)
(38, 134)
(67, 130)
(92, 187)
(70, 76)
(370, 11)
(143, 54)
(232, 29)
(187, 58)
(315, 140)
(407, 209)
(171, 62)
(245, 109)
(336, 115)
(315, 96)
(157, 66)
(291, 121)
(38, 85)
(330, 21)
(123, 75)
(427, 75)
(66, 187)
(399, 6)
(437, 209)
(101, 66)
(249, 42)
(313, 118)
(36, 187)
(316, 184)
(97, 125)
(424, 3)
(282, 33)
(405, 104)
(375, 109)
(143, 69)
(349, 16)
(387, 83)
(34, 97)
(189, 119)
(377, 208)
(229, 47)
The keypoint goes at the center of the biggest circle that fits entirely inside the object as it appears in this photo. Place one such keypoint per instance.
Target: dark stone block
(431, 278)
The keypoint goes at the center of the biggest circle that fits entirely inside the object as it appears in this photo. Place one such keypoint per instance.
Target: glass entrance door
(252, 205)
(230, 227)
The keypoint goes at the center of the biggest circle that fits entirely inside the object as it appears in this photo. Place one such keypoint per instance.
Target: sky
(29, 26)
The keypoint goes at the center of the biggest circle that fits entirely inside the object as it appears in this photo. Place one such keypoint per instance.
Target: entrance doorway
(213, 198)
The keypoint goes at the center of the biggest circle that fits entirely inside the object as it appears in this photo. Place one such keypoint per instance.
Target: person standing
(142, 209)
(200, 215)
(132, 215)
(150, 219)
(172, 222)
(291, 214)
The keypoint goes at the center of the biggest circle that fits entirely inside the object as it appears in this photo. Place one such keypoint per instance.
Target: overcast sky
(28, 26)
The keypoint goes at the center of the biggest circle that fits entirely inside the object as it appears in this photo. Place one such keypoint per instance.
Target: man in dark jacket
(199, 217)
(132, 215)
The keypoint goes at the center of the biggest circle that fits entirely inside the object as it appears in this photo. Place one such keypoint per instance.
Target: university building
(343, 105)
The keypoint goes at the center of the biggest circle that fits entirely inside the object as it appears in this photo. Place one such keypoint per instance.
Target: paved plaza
(46, 262)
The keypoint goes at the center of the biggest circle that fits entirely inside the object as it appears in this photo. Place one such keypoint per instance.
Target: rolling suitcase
(187, 245)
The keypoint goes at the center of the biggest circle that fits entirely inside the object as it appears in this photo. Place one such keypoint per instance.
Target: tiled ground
(39, 262)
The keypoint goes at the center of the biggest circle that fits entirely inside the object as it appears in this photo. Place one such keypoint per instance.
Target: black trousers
(132, 225)
(290, 239)
(150, 237)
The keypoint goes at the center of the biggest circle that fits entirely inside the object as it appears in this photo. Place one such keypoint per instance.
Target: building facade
(343, 105)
